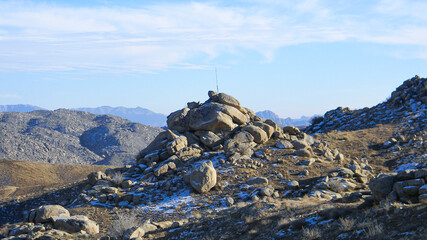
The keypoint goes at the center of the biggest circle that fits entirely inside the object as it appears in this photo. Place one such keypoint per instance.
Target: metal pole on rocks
(216, 77)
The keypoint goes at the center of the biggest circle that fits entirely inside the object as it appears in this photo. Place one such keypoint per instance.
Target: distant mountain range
(147, 117)
(19, 108)
(138, 114)
(298, 122)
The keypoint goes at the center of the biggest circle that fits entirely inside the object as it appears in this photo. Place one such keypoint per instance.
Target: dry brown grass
(374, 230)
(346, 224)
(117, 178)
(123, 222)
(34, 178)
(311, 233)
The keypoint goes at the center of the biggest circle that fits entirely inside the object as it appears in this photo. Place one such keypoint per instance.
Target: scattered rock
(203, 177)
(134, 233)
(257, 181)
(302, 153)
(75, 224)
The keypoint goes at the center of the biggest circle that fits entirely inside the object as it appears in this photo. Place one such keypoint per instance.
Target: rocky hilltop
(220, 171)
(406, 106)
(71, 137)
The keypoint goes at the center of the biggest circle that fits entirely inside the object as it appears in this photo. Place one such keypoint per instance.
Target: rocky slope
(406, 106)
(71, 137)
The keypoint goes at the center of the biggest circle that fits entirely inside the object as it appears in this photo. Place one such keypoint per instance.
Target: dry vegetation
(20, 179)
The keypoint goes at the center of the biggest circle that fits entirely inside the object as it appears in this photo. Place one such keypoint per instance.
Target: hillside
(71, 137)
(22, 179)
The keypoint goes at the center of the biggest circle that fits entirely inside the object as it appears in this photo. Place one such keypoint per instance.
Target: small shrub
(123, 222)
(374, 230)
(311, 233)
(336, 186)
(316, 120)
(346, 224)
(117, 178)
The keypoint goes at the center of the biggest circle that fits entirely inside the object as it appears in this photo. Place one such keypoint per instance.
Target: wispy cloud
(48, 37)
(9, 96)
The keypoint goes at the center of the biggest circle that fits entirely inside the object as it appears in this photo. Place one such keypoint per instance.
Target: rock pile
(352, 178)
(407, 106)
(219, 123)
(52, 222)
(407, 186)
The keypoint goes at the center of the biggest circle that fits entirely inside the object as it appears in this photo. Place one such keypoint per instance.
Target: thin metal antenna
(216, 76)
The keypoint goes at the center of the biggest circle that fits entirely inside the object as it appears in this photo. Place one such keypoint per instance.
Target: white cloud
(10, 96)
(43, 37)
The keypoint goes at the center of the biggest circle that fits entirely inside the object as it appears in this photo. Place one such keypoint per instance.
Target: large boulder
(300, 144)
(178, 120)
(260, 136)
(208, 138)
(241, 143)
(237, 116)
(176, 145)
(158, 143)
(45, 213)
(382, 185)
(244, 137)
(95, 176)
(209, 117)
(134, 233)
(203, 177)
(267, 128)
(224, 99)
(75, 224)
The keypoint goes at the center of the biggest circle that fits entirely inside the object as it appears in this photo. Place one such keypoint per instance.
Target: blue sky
(292, 57)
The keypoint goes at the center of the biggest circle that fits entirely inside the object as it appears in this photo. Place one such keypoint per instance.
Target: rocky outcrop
(219, 123)
(52, 222)
(406, 106)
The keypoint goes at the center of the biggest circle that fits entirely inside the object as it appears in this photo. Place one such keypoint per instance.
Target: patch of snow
(326, 221)
(406, 166)
(180, 198)
(312, 220)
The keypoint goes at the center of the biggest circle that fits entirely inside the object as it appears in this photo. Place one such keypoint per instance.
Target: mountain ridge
(68, 136)
(283, 122)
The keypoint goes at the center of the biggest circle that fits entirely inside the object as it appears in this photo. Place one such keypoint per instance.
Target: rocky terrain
(221, 172)
(71, 137)
(407, 106)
